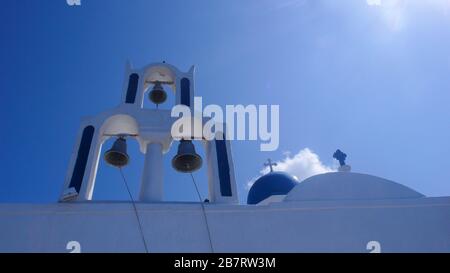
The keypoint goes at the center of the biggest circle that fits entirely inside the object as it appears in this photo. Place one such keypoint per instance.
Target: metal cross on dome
(340, 156)
(270, 164)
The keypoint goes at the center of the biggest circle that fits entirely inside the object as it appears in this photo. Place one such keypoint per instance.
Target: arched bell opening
(187, 160)
(179, 185)
(119, 152)
(158, 86)
(109, 183)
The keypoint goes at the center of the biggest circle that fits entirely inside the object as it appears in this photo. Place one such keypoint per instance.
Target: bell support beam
(152, 175)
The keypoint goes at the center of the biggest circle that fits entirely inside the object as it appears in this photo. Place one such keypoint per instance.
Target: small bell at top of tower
(158, 94)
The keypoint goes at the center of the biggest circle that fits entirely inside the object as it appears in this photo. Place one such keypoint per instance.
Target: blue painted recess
(82, 158)
(133, 83)
(224, 167)
(185, 92)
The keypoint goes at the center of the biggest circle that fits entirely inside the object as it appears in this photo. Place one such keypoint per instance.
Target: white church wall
(404, 225)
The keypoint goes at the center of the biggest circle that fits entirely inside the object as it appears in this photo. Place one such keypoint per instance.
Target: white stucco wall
(403, 225)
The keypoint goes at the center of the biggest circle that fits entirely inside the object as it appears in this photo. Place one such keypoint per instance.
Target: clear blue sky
(372, 80)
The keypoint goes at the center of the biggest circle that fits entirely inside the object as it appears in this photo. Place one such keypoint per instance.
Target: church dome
(274, 183)
(349, 186)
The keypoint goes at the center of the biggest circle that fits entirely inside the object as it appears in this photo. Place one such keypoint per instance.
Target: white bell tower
(151, 128)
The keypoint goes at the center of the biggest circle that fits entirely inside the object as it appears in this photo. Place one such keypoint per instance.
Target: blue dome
(274, 183)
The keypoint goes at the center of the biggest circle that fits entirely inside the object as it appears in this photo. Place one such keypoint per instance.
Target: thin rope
(135, 211)
(204, 213)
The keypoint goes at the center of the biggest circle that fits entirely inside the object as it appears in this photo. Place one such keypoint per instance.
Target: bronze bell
(117, 155)
(186, 160)
(157, 95)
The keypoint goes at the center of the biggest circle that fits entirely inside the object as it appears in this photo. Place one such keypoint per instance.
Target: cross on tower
(270, 164)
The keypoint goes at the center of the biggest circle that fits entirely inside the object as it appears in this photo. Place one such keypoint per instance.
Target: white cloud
(302, 165)
(373, 2)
